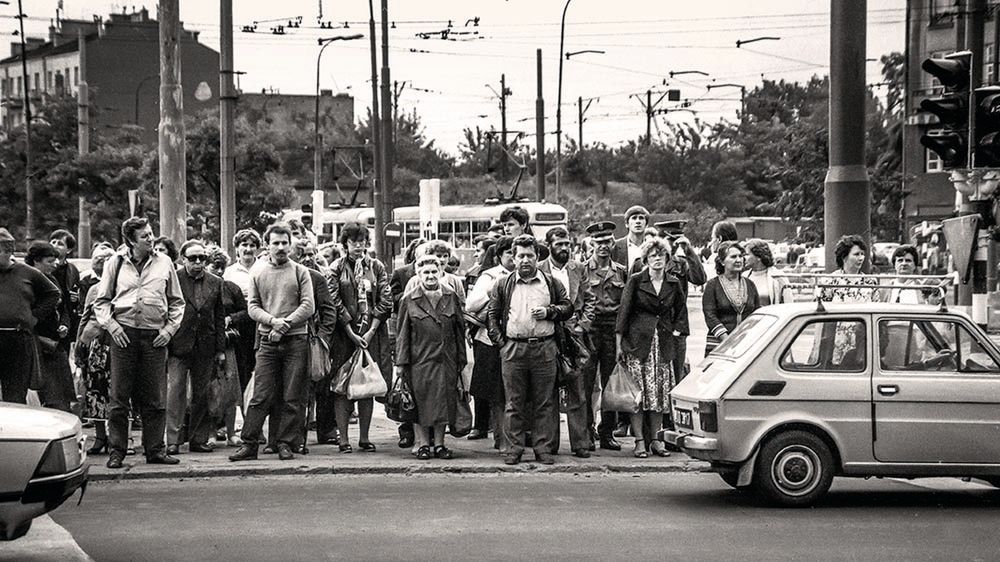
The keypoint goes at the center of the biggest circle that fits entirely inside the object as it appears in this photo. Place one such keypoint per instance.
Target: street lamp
(317, 195)
(683, 72)
(137, 88)
(574, 53)
(741, 42)
(562, 37)
(743, 94)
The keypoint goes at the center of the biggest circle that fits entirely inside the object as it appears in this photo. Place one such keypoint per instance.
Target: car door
(935, 392)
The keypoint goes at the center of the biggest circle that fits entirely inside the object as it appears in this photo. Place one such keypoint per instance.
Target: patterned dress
(848, 290)
(95, 370)
(655, 375)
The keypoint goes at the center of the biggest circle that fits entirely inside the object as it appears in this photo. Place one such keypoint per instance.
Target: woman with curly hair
(771, 286)
(851, 253)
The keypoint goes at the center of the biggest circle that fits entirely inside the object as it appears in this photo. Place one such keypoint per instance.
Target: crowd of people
(177, 341)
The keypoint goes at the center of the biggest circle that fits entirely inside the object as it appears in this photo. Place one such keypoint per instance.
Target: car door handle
(888, 389)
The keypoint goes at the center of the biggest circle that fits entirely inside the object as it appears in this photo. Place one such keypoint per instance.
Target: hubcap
(796, 470)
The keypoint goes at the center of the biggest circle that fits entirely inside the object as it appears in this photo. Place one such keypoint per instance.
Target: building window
(934, 162)
(48, 81)
(76, 75)
(19, 89)
(988, 61)
(942, 11)
(935, 86)
(38, 82)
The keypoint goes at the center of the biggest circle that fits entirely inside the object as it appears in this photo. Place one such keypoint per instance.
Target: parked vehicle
(798, 394)
(41, 464)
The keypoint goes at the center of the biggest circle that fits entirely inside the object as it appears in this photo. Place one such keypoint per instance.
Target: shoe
(162, 458)
(234, 441)
(346, 448)
(270, 449)
(544, 458)
(424, 453)
(640, 450)
(220, 435)
(302, 450)
(353, 419)
(443, 452)
(366, 446)
(100, 446)
(325, 440)
(115, 461)
(582, 453)
(511, 459)
(620, 431)
(405, 442)
(284, 452)
(592, 447)
(610, 444)
(245, 453)
(173, 450)
(477, 434)
(659, 449)
(200, 448)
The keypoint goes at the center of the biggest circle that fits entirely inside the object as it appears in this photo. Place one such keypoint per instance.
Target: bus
(458, 224)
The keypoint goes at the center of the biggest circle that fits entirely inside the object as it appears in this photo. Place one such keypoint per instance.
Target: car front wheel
(794, 469)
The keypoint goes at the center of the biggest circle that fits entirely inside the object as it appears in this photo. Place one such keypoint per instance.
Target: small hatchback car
(41, 464)
(798, 394)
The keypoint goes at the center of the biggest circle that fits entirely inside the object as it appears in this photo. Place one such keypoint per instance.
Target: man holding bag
(281, 302)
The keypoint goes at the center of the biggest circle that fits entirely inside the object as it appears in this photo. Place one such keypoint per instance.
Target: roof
(48, 50)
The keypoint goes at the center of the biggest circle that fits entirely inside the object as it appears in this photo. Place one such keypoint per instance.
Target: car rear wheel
(794, 469)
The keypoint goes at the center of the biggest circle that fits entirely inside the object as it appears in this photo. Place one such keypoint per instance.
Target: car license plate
(682, 418)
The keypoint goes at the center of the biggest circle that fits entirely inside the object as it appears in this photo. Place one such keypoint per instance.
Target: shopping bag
(399, 404)
(339, 382)
(622, 394)
(224, 388)
(319, 358)
(366, 379)
(463, 413)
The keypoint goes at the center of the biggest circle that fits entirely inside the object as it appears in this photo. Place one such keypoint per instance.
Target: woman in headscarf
(93, 357)
(430, 352)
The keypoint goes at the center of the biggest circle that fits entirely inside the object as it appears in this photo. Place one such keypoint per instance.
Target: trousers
(199, 367)
(602, 363)
(280, 377)
(529, 378)
(138, 375)
(16, 358)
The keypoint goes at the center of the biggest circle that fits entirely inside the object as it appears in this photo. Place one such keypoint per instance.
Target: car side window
(972, 356)
(828, 345)
(926, 346)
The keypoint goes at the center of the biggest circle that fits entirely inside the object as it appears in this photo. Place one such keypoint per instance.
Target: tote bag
(366, 379)
(622, 394)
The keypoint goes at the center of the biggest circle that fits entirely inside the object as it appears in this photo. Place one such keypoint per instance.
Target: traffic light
(952, 109)
(988, 127)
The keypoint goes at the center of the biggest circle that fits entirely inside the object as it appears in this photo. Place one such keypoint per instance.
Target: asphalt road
(680, 516)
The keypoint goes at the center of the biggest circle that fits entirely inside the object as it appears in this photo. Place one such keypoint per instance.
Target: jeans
(529, 377)
(16, 355)
(138, 374)
(281, 377)
(199, 367)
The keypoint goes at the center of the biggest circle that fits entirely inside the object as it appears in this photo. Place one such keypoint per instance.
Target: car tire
(793, 469)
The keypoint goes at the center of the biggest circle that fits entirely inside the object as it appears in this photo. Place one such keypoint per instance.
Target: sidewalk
(471, 457)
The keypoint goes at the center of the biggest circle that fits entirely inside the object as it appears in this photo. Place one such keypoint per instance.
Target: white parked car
(41, 464)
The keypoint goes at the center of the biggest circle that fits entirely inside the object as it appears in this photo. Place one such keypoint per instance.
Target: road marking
(46, 540)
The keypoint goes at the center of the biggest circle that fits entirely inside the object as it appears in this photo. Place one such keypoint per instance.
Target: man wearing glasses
(200, 345)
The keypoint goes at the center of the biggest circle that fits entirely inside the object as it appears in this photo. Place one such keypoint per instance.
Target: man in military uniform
(607, 281)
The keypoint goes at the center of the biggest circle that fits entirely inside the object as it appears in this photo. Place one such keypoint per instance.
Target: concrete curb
(237, 471)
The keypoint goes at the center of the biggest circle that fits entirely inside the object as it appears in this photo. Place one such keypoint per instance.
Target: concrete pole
(847, 196)
(503, 126)
(173, 165)
(83, 147)
(29, 190)
(376, 124)
(539, 133)
(388, 148)
(562, 53)
(579, 109)
(227, 130)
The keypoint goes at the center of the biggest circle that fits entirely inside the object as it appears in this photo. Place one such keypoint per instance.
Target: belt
(531, 340)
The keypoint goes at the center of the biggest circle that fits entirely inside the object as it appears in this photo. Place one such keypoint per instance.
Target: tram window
(411, 231)
(463, 234)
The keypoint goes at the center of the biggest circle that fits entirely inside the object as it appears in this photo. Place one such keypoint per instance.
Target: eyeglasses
(197, 258)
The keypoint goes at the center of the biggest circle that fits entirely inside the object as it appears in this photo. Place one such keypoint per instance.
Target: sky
(452, 84)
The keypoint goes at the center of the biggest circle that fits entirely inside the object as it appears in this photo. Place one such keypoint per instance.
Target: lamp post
(317, 194)
(683, 72)
(562, 38)
(743, 94)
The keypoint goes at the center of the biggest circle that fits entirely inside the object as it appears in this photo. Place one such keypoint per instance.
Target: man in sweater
(28, 295)
(281, 302)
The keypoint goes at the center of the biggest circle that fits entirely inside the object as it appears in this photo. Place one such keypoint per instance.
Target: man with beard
(281, 302)
(572, 275)
(524, 308)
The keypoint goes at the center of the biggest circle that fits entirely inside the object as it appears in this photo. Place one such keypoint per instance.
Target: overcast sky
(643, 41)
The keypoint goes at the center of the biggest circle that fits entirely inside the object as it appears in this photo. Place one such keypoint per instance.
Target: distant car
(813, 261)
(797, 395)
(41, 464)
(882, 252)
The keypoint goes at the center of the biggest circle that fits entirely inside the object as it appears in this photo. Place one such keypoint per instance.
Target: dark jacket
(67, 278)
(619, 253)
(325, 319)
(345, 295)
(720, 316)
(644, 310)
(234, 306)
(579, 292)
(397, 282)
(203, 322)
(559, 309)
(428, 337)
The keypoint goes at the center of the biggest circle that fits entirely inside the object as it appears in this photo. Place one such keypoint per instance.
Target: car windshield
(746, 334)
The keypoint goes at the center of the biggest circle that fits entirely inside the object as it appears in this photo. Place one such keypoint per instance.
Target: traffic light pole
(847, 197)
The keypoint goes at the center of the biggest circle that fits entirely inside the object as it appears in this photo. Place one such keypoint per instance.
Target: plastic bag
(623, 393)
(224, 388)
(319, 358)
(366, 379)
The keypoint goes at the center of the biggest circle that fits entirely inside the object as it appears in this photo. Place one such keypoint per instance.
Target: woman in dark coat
(359, 287)
(652, 305)
(57, 390)
(729, 297)
(234, 306)
(430, 352)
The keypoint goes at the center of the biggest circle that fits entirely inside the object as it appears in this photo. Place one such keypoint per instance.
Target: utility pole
(388, 147)
(504, 92)
(376, 124)
(650, 109)
(984, 273)
(847, 197)
(227, 131)
(29, 190)
(397, 91)
(582, 112)
(173, 166)
(562, 51)
(539, 133)
(83, 146)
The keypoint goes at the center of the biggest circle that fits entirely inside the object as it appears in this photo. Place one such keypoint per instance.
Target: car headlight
(60, 457)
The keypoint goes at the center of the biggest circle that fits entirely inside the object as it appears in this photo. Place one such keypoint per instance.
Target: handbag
(224, 388)
(366, 379)
(399, 404)
(339, 382)
(622, 394)
(462, 424)
(319, 357)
